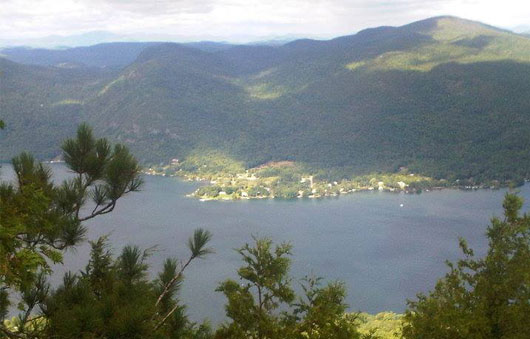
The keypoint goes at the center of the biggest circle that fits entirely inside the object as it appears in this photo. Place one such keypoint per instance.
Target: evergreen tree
(264, 305)
(321, 312)
(39, 220)
(481, 298)
(113, 297)
(266, 276)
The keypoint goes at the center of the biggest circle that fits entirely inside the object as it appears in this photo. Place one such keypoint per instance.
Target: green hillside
(454, 41)
(444, 97)
(41, 105)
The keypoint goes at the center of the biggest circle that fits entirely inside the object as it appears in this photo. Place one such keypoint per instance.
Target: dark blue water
(383, 252)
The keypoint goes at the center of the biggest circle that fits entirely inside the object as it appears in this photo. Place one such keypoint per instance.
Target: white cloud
(227, 19)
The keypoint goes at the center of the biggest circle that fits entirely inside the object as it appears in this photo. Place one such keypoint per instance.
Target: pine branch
(170, 284)
(166, 317)
(107, 209)
(197, 246)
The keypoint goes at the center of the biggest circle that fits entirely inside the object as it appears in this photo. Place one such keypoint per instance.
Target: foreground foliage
(113, 298)
(255, 305)
(481, 298)
(39, 219)
(384, 325)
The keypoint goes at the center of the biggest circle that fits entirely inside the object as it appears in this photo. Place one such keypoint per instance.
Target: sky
(238, 20)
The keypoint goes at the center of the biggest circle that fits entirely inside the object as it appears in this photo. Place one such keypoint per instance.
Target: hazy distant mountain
(117, 54)
(58, 41)
(444, 97)
(102, 37)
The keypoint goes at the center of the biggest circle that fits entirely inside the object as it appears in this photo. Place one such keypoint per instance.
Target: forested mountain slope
(41, 105)
(444, 97)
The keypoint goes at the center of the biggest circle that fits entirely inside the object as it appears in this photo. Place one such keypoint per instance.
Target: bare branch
(166, 317)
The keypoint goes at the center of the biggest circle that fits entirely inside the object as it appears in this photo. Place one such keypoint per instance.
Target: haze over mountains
(102, 37)
(444, 97)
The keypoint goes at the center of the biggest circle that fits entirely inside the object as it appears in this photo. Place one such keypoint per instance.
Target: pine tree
(39, 220)
(113, 297)
(265, 306)
(481, 298)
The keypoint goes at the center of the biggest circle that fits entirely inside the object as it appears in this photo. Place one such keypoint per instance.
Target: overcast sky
(239, 19)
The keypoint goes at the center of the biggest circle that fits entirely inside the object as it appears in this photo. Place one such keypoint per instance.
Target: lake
(384, 253)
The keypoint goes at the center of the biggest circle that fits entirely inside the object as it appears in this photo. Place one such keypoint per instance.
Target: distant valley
(444, 98)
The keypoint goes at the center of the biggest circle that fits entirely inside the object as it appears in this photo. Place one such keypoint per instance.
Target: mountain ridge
(379, 100)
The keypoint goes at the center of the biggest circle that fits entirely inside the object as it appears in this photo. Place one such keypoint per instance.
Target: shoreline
(326, 195)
